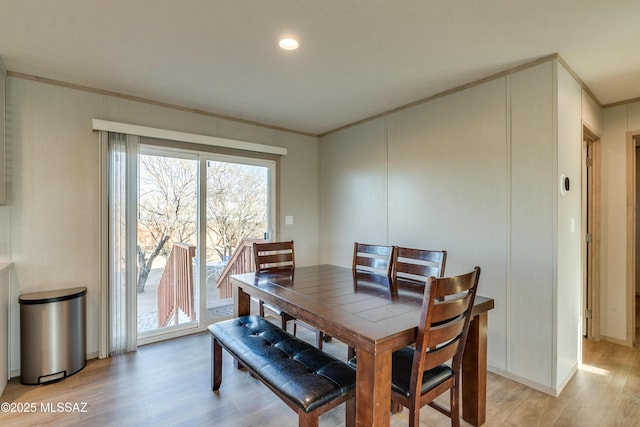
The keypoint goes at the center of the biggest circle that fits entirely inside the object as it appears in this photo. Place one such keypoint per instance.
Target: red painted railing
(241, 262)
(176, 287)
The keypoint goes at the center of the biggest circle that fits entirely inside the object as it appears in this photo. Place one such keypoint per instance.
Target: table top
(363, 310)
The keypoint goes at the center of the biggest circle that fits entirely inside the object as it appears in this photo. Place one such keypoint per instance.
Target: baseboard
(568, 378)
(524, 381)
(615, 341)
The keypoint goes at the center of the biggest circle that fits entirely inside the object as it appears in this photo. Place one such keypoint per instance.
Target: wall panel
(448, 188)
(353, 191)
(613, 227)
(569, 254)
(591, 113)
(532, 223)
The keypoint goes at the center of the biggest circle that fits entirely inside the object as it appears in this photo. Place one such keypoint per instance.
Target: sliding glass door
(238, 211)
(177, 223)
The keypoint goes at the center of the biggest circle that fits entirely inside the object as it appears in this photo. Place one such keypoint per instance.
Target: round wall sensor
(565, 184)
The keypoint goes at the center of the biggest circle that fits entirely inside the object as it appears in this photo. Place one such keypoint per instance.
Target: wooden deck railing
(176, 290)
(241, 262)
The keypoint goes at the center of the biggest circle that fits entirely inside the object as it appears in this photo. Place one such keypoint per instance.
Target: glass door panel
(167, 289)
(238, 211)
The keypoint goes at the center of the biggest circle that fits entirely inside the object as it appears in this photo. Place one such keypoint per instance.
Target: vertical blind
(120, 282)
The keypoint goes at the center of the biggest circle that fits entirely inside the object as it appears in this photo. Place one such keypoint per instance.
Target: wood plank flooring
(167, 384)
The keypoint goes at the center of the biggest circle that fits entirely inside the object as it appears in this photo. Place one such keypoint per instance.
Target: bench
(308, 380)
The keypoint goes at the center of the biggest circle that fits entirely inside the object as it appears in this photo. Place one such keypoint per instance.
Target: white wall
(475, 173)
(448, 188)
(352, 191)
(54, 224)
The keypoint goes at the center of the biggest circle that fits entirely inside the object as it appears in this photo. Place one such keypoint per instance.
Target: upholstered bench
(310, 381)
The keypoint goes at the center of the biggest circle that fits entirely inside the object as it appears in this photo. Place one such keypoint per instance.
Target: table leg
(241, 306)
(241, 302)
(474, 372)
(373, 389)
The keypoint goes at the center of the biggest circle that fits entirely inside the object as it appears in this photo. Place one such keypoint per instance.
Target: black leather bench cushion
(307, 376)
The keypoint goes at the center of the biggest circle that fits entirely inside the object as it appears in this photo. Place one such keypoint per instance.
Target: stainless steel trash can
(52, 334)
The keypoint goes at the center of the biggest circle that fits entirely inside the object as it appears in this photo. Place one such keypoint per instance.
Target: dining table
(375, 315)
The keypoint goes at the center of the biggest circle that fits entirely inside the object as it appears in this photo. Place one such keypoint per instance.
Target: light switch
(288, 220)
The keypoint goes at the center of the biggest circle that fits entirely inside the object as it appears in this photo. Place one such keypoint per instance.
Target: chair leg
(414, 415)
(319, 339)
(455, 404)
(261, 308)
(283, 324)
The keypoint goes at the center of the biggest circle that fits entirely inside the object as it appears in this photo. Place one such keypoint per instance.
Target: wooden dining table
(374, 315)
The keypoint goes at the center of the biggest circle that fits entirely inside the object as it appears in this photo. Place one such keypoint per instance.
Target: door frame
(591, 227)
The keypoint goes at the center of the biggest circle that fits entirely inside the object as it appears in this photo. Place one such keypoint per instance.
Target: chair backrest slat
(445, 333)
(418, 264)
(448, 309)
(376, 259)
(441, 355)
(456, 285)
(273, 256)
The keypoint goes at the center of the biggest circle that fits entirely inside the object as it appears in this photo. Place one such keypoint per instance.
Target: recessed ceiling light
(288, 44)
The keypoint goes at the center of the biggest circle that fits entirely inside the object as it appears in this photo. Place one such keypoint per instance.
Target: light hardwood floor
(167, 384)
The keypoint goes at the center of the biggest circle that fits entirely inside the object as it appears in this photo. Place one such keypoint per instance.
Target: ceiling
(358, 58)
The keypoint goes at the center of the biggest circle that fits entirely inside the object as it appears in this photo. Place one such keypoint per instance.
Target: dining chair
(375, 259)
(418, 264)
(424, 372)
(273, 257)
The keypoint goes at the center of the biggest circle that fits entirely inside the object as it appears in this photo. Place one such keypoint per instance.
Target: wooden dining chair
(418, 264)
(273, 257)
(375, 259)
(433, 366)
(276, 257)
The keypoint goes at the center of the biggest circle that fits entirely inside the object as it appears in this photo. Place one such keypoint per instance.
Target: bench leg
(216, 364)
(350, 412)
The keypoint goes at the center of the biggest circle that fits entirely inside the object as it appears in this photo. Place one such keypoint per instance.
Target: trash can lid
(52, 296)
